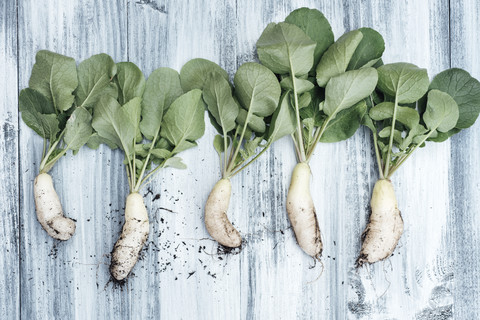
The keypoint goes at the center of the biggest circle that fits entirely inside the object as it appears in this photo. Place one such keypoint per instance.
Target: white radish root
(385, 227)
(216, 220)
(49, 209)
(301, 212)
(134, 234)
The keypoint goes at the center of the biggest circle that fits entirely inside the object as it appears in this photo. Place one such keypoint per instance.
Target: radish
(57, 106)
(247, 118)
(150, 121)
(327, 108)
(404, 112)
(301, 211)
(131, 241)
(49, 209)
(386, 225)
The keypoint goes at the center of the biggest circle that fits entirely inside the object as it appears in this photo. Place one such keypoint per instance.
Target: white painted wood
(465, 169)
(9, 228)
(65, 280)
(433, 274)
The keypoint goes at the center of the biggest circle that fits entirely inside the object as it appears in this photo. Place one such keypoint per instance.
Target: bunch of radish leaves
(406, 110)
(150, 121)
(325, 82)
(58, 103)
(247, 115)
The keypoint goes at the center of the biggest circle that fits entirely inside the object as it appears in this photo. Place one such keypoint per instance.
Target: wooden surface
(433, 274)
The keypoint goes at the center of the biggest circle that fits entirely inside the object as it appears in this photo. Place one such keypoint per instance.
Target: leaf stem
(296, 146)
(390, 144)
(249, 162)
(301, 144)
(140, 176)
(225, 150)
(49, 152)
(232, 160)
(409, 154)
(377, 154)
(44, 147)
(318, 136)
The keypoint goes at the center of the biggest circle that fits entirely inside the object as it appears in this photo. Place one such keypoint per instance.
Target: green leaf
(78, 129)
(442, 136)
(405, 81)
(369, 50)
(217, 94)
(385, 133)
(316, 26)
(38, 113)
(416, 131)
(113, 123)
(30, 99)
(184, 120)
(304, 100)
(161, 89)
(442, 111)
(251, 146)
(161, 153)
(465, 90)
(336, 59)
(257, 89)
(130, 81)
(301, 85)
(55, 77)
(175, 162)
(405, 115)
(346, 89)
(283, 120)
(218, 144)
(345, 123)
(95, 141)
(285, 49)
(196, 71)
(313, 109)
(255, 123)
(94, 79)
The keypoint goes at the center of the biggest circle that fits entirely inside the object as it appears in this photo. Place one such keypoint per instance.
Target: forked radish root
(49, 209)
(134, 234)
(385, 227)
(301, 212)
(216, 219)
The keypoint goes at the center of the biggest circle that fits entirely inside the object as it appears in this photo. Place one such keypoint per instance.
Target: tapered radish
(58, 110)
(301, 212)
(326, 83)
(216, 219)
(244, 118)
(49, 209)
(151, 121)
(134, 234)
(385, 227)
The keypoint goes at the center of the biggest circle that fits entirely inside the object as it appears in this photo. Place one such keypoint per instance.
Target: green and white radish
(248, 117)
(405, 112)
(150, 121)
(328, 108)
(57, 106)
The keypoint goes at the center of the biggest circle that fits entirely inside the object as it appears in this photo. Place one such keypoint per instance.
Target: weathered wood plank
(9, 230)
(465, 169)
(421, 269)
(181, 275)
(66, 280)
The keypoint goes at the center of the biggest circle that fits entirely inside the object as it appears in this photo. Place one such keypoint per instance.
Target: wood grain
(9, 228)
(434, 273)
(465, 169)
(65, 280)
